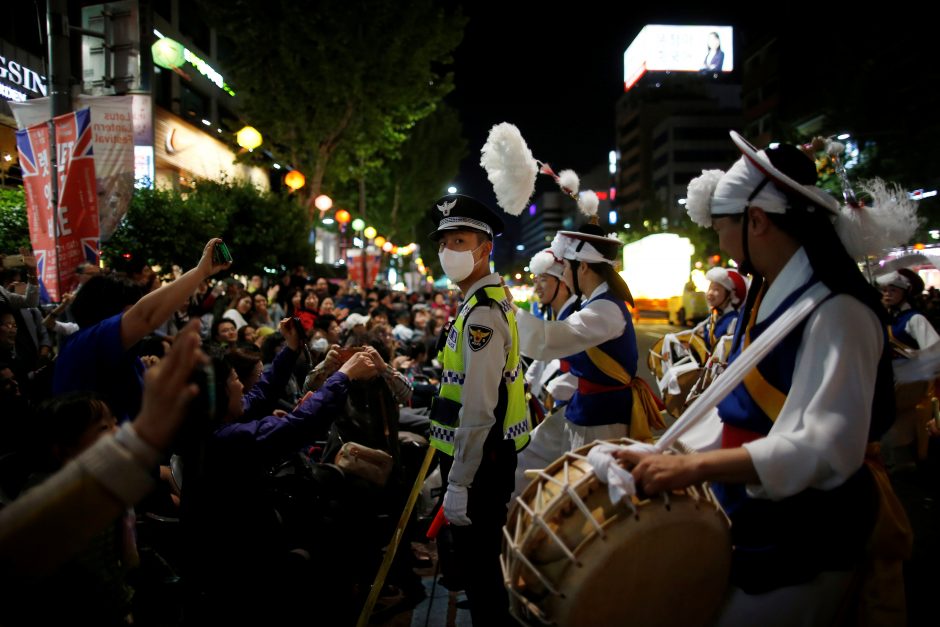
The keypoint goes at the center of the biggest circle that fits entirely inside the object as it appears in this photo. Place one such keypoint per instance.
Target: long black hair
(836, 269)
(616, 284)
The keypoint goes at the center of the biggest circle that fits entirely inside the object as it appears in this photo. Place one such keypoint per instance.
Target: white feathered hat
(545, 262)
(765, 179)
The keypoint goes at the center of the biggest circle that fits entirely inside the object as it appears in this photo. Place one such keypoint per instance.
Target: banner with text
(77, 213)
(113, 121)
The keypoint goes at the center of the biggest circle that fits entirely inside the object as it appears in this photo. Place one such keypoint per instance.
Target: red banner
(77, 214)
(354, 266)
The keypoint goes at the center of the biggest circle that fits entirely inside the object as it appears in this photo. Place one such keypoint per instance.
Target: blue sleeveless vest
(787, 542)
(899, 328)
(607, 407)
(721, 327)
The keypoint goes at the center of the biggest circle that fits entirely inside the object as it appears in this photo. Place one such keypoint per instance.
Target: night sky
(558, 76)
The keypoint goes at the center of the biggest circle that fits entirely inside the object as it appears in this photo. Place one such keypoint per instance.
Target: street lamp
(451, 190)
(323, 202)
(294, 180)
(248, 138)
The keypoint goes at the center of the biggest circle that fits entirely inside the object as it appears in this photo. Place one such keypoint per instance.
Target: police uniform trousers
(477, 546)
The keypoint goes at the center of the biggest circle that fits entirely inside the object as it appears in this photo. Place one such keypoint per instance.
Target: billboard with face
(662, 48)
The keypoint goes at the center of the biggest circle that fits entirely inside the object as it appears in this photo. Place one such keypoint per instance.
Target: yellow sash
(645, 415)
(767, 397)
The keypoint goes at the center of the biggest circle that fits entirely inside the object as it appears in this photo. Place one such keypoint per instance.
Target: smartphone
(221, 254)
(346, 353)
(14, 261)
(299, 326)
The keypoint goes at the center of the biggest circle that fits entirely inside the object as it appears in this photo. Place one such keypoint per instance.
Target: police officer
(480, 420)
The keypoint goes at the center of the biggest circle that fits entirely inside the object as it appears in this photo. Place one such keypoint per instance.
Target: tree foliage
(333, 76)
(14, 226)
(262, 229)
(400, 192)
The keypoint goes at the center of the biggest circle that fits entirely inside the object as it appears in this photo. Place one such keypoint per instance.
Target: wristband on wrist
(146, 454)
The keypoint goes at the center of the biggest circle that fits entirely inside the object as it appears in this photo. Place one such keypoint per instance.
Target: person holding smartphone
(113, 315)
(31, 298)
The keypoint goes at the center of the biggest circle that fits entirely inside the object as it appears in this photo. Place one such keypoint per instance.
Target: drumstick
(746, 361)
(396, 539)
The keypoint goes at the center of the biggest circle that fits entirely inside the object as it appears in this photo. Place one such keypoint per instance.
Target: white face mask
(320, 345)
(458, 265)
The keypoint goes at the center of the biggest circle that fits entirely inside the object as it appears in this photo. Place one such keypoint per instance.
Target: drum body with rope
(677, 361)
(571, 557)
(915, 406)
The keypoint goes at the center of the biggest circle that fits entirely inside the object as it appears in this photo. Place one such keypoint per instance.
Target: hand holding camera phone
(14, 261)
(221, 254)
(346, 353)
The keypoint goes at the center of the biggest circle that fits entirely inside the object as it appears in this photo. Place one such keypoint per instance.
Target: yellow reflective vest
(511, 409)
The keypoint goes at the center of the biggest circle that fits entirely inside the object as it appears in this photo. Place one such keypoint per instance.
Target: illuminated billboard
(663, 48)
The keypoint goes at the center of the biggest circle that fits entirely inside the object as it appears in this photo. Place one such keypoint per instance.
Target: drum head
(667, 563)
(664, 567)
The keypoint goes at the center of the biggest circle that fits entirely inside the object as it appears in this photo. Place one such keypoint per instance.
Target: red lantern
(342, 216)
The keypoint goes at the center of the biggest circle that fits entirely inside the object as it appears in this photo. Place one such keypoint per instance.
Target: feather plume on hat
(587, 203)
(569, 182)
(890, 220)
(510, 167)
(699, 196)
(541, 262)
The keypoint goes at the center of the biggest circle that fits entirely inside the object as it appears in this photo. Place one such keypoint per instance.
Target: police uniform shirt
(595, 323)
(486, 345)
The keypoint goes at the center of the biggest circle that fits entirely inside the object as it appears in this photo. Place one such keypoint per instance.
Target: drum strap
(746, 361)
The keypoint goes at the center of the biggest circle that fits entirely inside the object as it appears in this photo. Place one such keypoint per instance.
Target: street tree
(314, 76)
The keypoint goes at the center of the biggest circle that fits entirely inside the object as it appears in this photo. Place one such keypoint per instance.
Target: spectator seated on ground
(241, 312)
(402, 330)
(222, 336)
(265, 388)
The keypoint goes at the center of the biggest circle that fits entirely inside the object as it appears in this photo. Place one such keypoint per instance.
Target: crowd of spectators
(243, 500)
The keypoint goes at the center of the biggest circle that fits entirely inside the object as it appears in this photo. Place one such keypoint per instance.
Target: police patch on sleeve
(479, 336)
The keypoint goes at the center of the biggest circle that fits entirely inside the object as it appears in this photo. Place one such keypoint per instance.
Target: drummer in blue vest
(549, 381)
(908, 326)
(788, 469)
(598, 343)
(480, 419)
(726, 292)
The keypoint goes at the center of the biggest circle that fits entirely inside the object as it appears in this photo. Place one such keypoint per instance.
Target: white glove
(455, 505)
